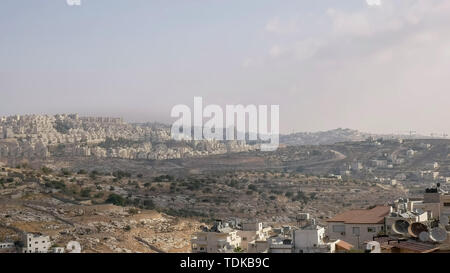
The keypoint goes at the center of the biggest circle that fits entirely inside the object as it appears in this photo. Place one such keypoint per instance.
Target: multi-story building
(435, 202)
(36, 243)
(358, 226)
(250, 232)
(221, 238)
(7, 247)
(310, 239)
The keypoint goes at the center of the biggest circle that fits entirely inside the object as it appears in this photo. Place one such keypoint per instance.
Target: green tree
(116, 199)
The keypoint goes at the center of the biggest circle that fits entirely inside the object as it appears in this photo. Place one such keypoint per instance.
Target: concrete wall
(349, 236)
(308, 238)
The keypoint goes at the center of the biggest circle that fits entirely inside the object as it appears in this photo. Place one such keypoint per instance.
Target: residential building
(250, 232)
(310, 239)
(258, 246)
(357, 226)
(357, 166)
(410, 153)
(432, 166)
(280, 245)
(221, 238)
(7, 247)
(36, 243)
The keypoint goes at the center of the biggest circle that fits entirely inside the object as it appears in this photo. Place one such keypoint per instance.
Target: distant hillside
(335, 136)
(325, 137)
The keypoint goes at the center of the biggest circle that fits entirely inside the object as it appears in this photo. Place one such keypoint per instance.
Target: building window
(355, 231)
(372, 229)
(338, 228)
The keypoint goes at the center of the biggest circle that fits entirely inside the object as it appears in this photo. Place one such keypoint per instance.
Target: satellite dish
(73, 247)
(444, 220)
(424, 236)
(416, 228)
(438, 234)
(400, 226)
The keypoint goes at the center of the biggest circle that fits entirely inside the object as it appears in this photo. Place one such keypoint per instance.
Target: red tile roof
(344, 245)
(362, 216)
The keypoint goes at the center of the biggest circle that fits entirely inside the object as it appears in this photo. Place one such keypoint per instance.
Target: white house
(36, 243)
(310, 239)
(251, 232)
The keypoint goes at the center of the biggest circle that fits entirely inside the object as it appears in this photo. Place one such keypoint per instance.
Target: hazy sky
(327, 63)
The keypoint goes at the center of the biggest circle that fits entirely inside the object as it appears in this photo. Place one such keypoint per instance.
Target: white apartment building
(36, 243)
(7, 247)
(223, 241)
(310, 239)
(251, 232)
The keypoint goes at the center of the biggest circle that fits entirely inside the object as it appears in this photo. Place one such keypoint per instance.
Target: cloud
(373, 2)
(394, 32)
(275, 51)
(356, 23)
(373, 67)
(273, 25)
(277, 26)
(390, 16)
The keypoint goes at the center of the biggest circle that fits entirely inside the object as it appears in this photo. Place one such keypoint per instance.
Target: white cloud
(277, 26)
(382, 63)
(273, 25)
(373, 2)
(350, 23)
(306, 49)
(275, 51)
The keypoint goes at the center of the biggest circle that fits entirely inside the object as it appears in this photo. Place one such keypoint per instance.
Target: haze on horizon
(328, 64)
